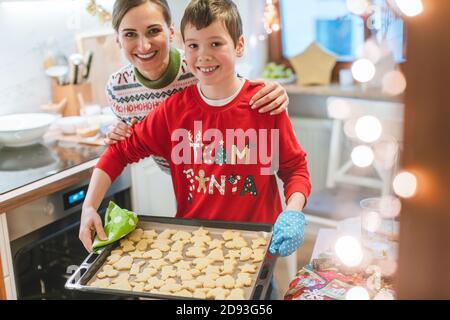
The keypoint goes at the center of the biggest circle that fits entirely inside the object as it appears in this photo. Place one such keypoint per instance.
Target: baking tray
(88, 270)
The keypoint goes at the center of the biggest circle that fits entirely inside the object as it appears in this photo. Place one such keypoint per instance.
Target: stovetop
(22, 166)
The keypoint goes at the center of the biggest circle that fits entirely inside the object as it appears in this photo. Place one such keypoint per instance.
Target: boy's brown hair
(202, 13)
(121, 7)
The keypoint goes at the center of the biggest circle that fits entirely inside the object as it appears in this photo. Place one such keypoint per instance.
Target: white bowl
(24, 129)
(69, 125)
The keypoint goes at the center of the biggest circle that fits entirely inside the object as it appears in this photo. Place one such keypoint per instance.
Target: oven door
(43, 258)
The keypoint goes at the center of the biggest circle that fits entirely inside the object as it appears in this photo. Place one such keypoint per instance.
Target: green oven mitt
(118, 223)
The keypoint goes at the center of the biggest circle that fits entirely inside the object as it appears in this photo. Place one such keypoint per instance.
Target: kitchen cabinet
(152, 191)
(7, 286)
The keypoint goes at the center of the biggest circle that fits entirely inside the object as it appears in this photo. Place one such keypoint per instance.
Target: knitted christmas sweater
(222, 159)
(131, 95)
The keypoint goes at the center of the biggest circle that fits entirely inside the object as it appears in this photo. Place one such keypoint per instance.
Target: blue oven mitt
(288, 233)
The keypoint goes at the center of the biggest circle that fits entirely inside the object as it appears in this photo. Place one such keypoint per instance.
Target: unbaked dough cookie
(246, 253)
(174, 256)
(200, 239)
(166, 234)
(142, 245)
(183, 293)
(153, 254)
(233, 254)
(201, 263)
(243, 280)
(136, 235)
(153, 283)
(195, 252)
(185, 275)
(200, 232)
(178, 245)
(183, 265)
(157, 264)
(218, 294)
(200, 293)
(191, 285)
(127, 245)
(113, 258)
(212, 269)
(136, 254)
(168, 272)
(121, 283)
(124, 263)
(258, 255)
(149, 234)
(249, 268)
(216, 255)
(170, 288)
(225, 282)
(136, 268)
(181, 235)
(258, 242)
(118, 252)
(230, 235)
(160, 245)
(236, 243)
(236, 294)
(101, 283)
(208, 281)
(108, 272)
(138, 287)
(146, 274)
(228, 268)
(216, 244)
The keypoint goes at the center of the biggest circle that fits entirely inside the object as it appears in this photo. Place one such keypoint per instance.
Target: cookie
(153, 254)
(243, 280)
(258, 242)
(118, 252)
(212, 269)
(236, 294)
(181, 235)
(170, 288)
(258, 255)
(230, 235)
(127, 245)
(227, 269)
(236, 243)
(218, 294)
(121, 283)
(157, 264)
(233, 254)
(216, 255)
(166, 234)
(183, 265)
(185, 275)
(136, 235)
(113, 259)
(178, 245)
(183, 293)
(136, 267)
(146, 274)
(200, 293)
(153, 283)
(149, 234)
(200, 232)
(201, 263)
(174, 256)
(208, 281)
(216, 244)
(200, 239)
(226, 281)
(195, 252)
(168, 272)
(108, 272)
(249, 268)
(138, 286)
(124, 263)
(191, 285)
(136, 254)
(246, 253)
(160, 245)
(142, 245)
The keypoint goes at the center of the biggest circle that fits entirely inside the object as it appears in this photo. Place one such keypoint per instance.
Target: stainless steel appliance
(44, 233)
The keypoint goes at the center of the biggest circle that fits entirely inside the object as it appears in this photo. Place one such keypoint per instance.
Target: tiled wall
(27, 26)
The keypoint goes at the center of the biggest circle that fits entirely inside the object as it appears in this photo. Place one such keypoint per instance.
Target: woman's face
(145, 37)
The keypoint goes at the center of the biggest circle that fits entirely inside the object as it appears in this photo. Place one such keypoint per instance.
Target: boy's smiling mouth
(207, 70)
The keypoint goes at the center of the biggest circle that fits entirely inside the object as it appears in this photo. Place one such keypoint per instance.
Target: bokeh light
(363, 70)
(368, 129)
(410, 8)
(362, 156)
(390, 206)
(349, 251)
(338, 109)
(405, 185)
(358, 7)
(357, 293)
(371, 221)
(394, 83)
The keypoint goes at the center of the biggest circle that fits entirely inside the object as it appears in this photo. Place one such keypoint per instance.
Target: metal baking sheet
(87, 272)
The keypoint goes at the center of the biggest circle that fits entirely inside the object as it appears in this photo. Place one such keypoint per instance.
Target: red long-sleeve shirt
(214, 175)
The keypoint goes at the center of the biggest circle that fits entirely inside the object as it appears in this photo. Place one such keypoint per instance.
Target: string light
(368, 129)
(271, 17)
(362, 156)
(357, 293)
(97, 10)
(338, 109)
(363, 70)
(410, 8)
(394, 83)
(349, 251)
(358, 7)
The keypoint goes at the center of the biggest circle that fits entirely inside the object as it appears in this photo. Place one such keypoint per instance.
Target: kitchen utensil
(87, 62)
(76, 62)
(18, 130)
(86, 273)
(58, 73)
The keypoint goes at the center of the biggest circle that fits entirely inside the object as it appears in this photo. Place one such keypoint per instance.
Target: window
(329, 23)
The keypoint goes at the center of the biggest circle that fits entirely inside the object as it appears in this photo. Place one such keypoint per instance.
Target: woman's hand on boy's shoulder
(271, 98)
(118, 132)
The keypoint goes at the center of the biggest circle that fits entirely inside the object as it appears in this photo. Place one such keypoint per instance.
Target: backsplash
(26, 28)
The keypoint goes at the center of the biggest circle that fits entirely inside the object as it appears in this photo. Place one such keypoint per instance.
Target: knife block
(76, 95)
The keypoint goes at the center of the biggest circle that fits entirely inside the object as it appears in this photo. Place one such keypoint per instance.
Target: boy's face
(211, 54)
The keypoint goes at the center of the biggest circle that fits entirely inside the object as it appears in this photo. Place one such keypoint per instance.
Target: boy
(222, 155)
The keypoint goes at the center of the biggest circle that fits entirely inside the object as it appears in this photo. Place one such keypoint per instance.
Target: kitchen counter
(35, 171)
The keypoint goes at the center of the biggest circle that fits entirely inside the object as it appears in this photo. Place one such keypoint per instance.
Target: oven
(44, 240)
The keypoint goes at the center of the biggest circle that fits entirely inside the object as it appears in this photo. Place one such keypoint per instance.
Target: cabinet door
(152, 190)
